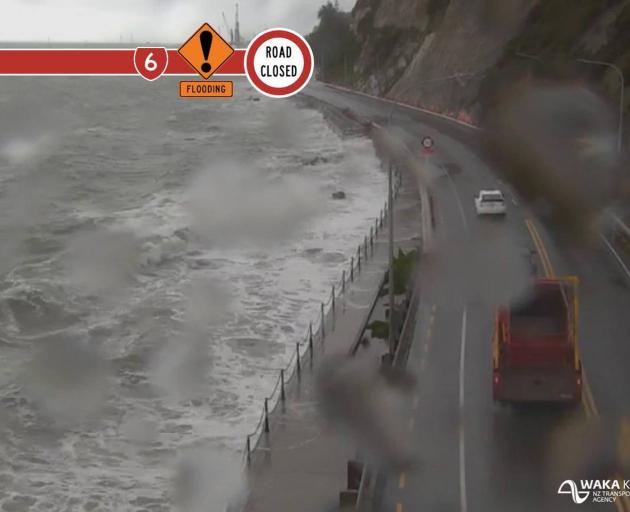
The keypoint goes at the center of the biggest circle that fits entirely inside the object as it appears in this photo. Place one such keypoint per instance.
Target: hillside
(453, 55)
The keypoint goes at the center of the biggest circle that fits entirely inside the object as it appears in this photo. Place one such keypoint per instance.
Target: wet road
(477, 455)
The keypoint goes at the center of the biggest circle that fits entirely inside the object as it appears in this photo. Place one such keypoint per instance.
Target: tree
(334, 44)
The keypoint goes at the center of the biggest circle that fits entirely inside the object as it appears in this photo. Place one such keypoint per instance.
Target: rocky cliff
(452, 55)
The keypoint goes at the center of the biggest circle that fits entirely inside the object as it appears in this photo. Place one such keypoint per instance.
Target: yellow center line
(587, 396)
(588, 401)
(540, 248)
(402, 480)
(623, 503)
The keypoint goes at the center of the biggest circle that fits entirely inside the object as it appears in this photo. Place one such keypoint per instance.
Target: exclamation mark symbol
(206, 43)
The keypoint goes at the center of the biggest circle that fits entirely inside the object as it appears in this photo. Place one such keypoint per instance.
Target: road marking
(540, 248)
(458, 199)
(588, 400)
(402, 480)
(462, 448)
(412, 422)
(616, 255)
(623, 503)
(399, 507)
(415, 403)
(587, 396)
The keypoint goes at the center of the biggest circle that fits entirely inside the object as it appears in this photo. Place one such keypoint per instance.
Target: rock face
(445, 54)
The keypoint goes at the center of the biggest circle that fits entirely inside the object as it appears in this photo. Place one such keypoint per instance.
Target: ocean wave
(179, 275)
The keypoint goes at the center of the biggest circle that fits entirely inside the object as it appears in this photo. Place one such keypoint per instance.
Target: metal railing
(369, 475)
(305, 348)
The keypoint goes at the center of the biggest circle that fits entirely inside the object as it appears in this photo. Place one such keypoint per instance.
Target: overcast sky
(155, 20)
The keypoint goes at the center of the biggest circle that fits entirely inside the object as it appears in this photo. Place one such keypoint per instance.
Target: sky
(147, 20)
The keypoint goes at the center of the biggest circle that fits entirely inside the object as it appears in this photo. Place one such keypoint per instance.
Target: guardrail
(369, 475)
(374, 301)
(305, 348)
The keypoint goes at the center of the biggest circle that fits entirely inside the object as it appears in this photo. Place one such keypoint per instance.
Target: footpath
(296, 462)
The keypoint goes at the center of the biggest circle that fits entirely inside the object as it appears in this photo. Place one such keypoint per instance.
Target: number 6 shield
(150, 63)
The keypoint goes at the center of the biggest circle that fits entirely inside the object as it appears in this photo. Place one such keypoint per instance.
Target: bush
(379, 329)
(404, 266)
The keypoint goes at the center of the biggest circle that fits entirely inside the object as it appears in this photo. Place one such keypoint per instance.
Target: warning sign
(206, 51)
(427, 146)
(212, 89)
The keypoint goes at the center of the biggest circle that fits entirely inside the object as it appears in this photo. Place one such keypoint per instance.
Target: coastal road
(474, 454)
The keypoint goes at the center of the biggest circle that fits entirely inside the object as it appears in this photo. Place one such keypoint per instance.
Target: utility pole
(392, 322)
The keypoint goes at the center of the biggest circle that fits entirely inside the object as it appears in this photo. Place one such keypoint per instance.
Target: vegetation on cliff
(334, 44)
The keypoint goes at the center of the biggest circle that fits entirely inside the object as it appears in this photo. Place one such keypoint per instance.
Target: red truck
(535, 348)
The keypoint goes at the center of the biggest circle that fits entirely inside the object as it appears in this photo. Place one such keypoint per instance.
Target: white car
(490, 202)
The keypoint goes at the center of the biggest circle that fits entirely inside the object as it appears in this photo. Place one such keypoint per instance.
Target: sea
(159, 259)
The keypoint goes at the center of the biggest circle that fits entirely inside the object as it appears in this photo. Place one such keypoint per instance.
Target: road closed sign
(279, 63)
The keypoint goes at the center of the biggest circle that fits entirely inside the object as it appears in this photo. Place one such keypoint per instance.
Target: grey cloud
(156, 20)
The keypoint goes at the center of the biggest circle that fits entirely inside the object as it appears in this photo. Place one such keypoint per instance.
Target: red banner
(98, 62)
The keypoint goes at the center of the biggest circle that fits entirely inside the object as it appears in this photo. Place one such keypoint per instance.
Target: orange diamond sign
(206, 51)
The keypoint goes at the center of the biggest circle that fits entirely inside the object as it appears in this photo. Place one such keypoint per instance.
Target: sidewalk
(300, 465)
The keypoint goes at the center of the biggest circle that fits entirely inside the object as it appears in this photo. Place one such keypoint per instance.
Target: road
(478, 456)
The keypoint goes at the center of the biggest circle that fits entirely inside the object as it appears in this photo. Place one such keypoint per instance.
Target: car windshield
(492, 198)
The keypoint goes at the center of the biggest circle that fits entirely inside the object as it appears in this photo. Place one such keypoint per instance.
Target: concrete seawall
(300, 463)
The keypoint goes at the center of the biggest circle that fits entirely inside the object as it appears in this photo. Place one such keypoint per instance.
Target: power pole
(392, 322)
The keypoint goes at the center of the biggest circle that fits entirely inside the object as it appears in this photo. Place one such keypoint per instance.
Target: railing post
(299, 364)
(381, 219)
(323, 322)
(266, 415)
(282, 393)
(376, 227)
(359, 259)
(248, 444)
(372, 241)
(310, 340)
(352, 269)
(343, 282)
(365, 246)
(334, 313)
